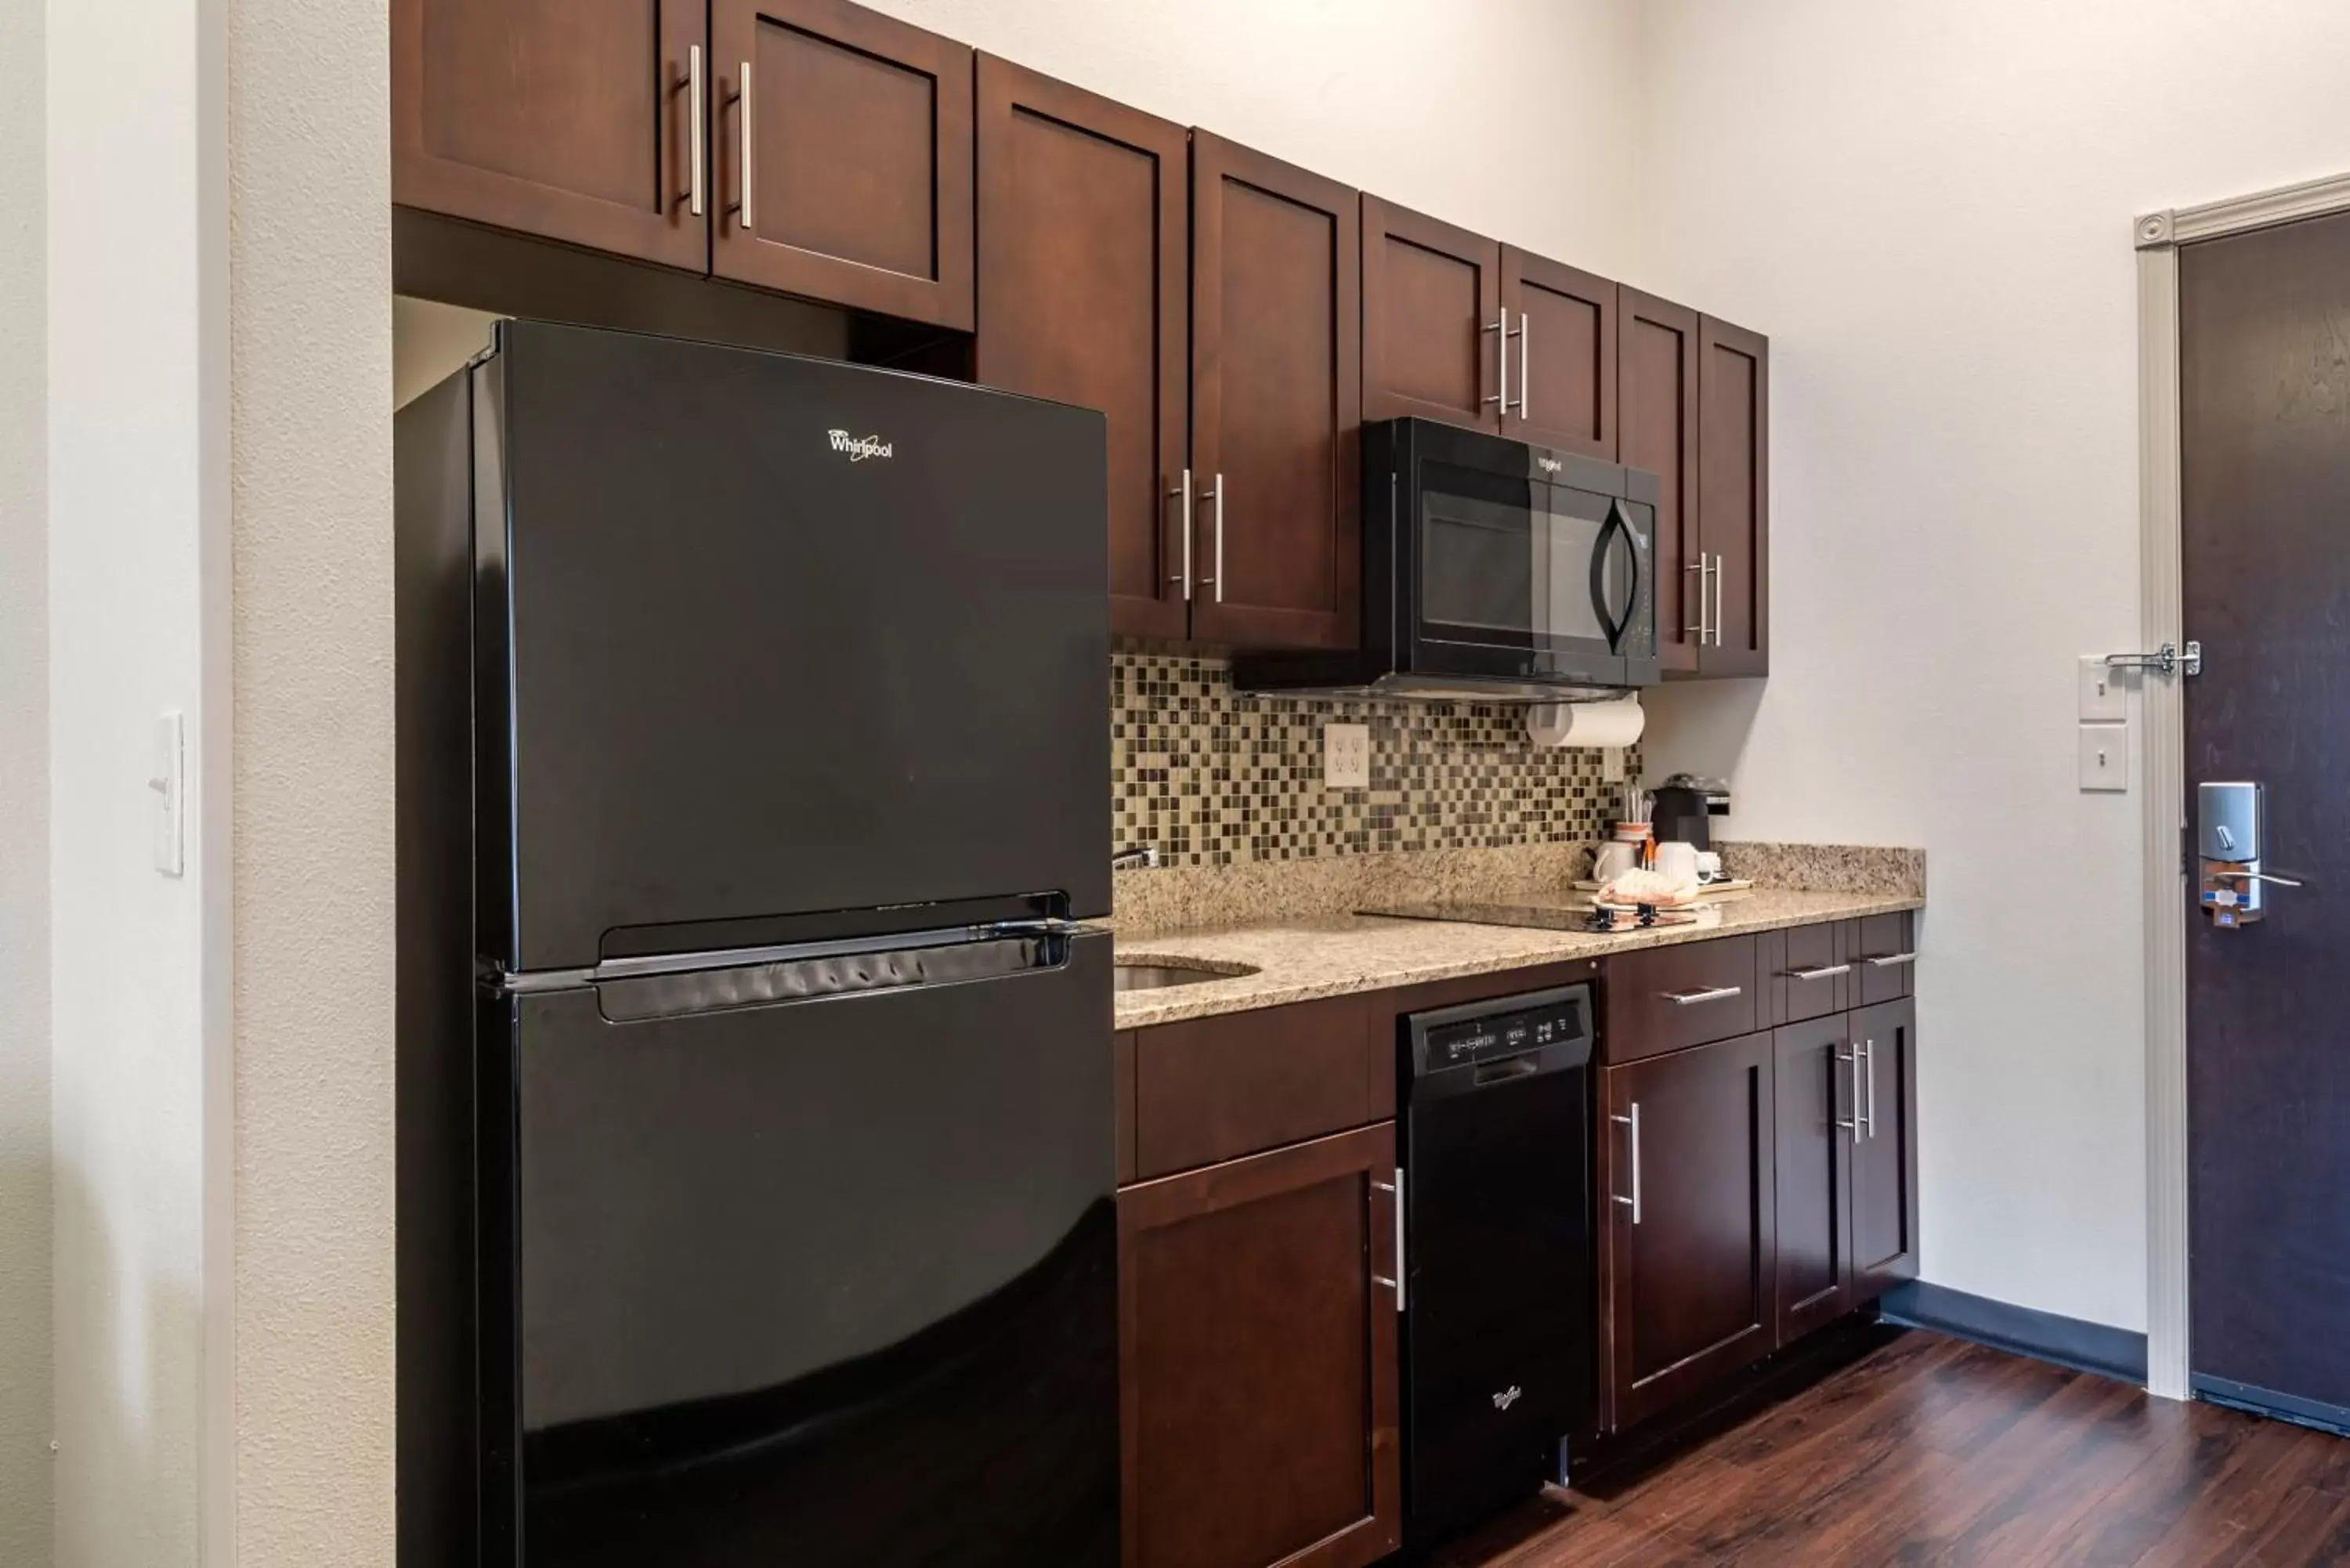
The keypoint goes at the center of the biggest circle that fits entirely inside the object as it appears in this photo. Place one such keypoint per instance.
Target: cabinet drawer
(1885, 963)
(1217, 1088)
(1668, 997)
(1807, 972)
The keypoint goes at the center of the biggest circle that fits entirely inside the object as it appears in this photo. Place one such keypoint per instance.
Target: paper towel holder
(1611, 722)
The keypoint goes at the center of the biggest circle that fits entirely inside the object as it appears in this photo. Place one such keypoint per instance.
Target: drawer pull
(1889, 960)
(1824, 971)
(1711, 993)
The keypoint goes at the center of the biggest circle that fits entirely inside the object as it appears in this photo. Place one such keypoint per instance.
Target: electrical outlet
(1345, 756)
(1611, 764)
(2103, 700)
(2105, 756)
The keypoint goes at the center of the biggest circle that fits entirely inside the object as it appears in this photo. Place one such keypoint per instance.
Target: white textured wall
(309, 113)
(1928, 206)
(126, 278)
(1513, 117)
(24, 1188)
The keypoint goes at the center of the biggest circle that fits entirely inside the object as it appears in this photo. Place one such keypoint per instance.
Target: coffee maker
(1685, 802)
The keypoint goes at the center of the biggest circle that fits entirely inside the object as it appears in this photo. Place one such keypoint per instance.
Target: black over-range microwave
(1493, 572)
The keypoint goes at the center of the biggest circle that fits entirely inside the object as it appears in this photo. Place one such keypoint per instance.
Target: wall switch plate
(2103, 700)
(1347, 756)
(1611, 764)
(167, 781)
(2105, 756)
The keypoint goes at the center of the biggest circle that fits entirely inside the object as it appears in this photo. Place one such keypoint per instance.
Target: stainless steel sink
(1154, 974)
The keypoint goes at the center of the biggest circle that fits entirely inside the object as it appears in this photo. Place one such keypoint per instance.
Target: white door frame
(2158, 236)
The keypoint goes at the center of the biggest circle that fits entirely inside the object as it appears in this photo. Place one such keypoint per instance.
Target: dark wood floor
(1933, 1450)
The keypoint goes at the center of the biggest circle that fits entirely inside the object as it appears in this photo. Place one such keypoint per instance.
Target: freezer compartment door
(825, 1283)
(787, 636)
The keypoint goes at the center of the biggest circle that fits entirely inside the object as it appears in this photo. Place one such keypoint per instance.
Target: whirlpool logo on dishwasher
(1508, 1396)
(860, 448)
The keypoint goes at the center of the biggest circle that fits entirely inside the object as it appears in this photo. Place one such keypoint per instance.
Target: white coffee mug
(1709, 864)
(1613, 860)
(1678, 860)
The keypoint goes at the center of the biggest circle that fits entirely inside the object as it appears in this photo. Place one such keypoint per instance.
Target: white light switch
(1347, 756)
(2105, 756)
(167, 781)
(2103, 700)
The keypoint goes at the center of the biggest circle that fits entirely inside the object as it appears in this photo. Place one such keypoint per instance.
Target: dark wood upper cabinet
(842, 158)
(575, 122)
(1431, 300)
(1563, 379)
(1084, 297)
(1885, 1164)
(1814, 1079)
(1657, 413)
(1734, 495)
(1276, 402)
(1259, 1389)
(1688, 1221)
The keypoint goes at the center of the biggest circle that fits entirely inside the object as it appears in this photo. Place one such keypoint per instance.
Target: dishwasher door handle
(1395, 1201)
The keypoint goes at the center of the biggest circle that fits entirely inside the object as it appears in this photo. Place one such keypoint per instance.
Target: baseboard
(2335, 1418)
(2045, 1335)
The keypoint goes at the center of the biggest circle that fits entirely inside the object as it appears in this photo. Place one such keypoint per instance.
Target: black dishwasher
(1498, 1349)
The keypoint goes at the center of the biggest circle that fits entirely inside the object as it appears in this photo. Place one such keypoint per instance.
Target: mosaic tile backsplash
(1214, 776)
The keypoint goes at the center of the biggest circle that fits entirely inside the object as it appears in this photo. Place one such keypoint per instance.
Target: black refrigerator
(755, 1161)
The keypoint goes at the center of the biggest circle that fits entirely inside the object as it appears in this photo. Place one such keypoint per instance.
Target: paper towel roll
(1615, 723)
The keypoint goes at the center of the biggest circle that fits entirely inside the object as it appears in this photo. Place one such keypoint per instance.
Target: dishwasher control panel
(1480, 1031)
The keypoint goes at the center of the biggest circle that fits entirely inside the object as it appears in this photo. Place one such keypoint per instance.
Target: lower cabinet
(1259, 1385)
(1686, 1173)
(1814, 1148)
(1884, 1040)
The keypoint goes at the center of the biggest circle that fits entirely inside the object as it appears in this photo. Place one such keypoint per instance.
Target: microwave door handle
(1609, 622)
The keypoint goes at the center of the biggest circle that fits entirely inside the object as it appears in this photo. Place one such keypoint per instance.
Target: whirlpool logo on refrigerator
(860, 448)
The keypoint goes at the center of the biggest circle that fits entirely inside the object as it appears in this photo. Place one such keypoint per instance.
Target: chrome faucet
(1145, 855)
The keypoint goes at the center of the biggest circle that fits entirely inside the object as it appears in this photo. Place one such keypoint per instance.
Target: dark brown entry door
(2264, 319)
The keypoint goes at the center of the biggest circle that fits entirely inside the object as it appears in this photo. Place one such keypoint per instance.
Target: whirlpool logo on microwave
(860, 448)
(1550, 464)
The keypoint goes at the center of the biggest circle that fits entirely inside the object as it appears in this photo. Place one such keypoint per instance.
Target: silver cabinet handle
(1216, 495)
(1633, 1122)
(1850, 1123)
(1825, 971)
(1889, 960)
(1183, 491)
(1525, 362)
(1711, 993)
(690, 85)
(1701, 629)
(1719, 577)
(1869, 1071)
(742, 118)
(1501, 352)
(1394, 1195)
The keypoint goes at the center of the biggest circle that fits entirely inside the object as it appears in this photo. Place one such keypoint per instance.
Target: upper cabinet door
(843, 158)
(1734, 495)
(573, 121)
(1657, 378)
(1084, 252)
(1276, 408)
(1432, 313)
(1562, 322)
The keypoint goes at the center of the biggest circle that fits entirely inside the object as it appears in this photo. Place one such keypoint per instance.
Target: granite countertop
(1337, 955)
